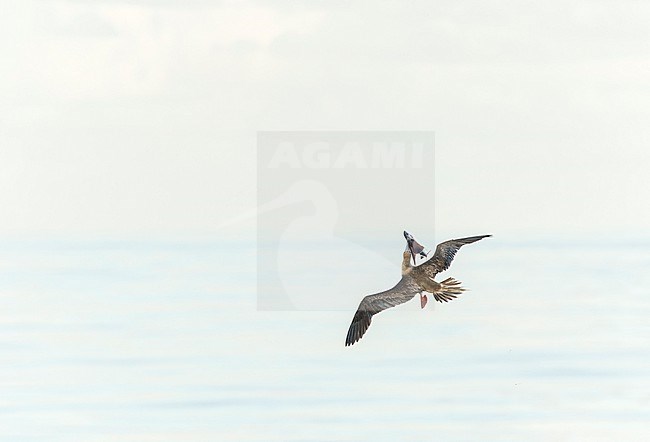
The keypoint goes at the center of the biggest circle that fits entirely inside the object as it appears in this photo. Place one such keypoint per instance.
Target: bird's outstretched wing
(404, 291)
(445, 252)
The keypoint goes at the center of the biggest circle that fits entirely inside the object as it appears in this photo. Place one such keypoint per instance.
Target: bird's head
(406, 262)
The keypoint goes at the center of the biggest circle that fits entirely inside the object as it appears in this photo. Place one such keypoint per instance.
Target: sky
(122, 118)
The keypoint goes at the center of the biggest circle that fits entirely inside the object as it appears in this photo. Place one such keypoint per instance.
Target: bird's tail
(449, 289)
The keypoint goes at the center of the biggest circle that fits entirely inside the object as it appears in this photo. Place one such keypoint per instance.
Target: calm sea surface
(163, 341)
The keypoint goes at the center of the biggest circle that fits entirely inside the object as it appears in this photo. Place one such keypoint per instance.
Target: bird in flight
(415, 280)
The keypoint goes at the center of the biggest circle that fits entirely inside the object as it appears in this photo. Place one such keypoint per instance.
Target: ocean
(164, 341)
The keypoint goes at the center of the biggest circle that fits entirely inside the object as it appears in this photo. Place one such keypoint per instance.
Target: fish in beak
(414, 246)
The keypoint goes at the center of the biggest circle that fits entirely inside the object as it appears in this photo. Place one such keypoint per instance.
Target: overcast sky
(140, 117)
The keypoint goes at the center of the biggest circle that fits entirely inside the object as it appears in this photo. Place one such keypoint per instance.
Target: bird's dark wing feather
(445, 252)
(404, 291)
